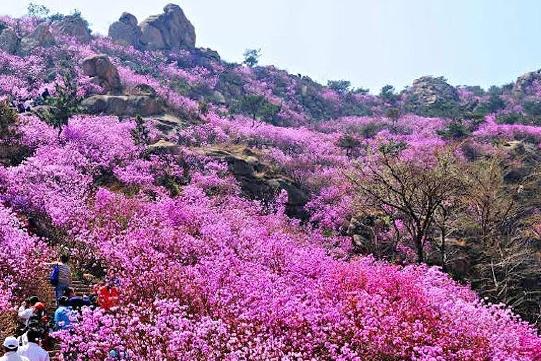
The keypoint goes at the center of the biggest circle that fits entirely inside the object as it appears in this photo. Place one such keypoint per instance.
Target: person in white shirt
(32, 350)
(11, 345)
(27, 309)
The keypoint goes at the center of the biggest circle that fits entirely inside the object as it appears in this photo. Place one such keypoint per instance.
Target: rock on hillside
(170, 30)
(123, 105)
(9, 41)
(102, 72)
(524, 83)
(126, 30)
(428, 92)
(166, 31)
(40, 37)
(257, 179)
(75, 26)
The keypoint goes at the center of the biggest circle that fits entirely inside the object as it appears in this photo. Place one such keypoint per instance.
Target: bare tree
(408, 190)
(498, 218)
(489, 201)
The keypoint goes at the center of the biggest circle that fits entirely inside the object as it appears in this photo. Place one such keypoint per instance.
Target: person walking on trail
(32, 350)
(62, 315)
(11, 346)
(61, 276)
(27, 309)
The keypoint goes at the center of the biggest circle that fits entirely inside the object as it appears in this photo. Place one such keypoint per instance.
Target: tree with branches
(409, 191)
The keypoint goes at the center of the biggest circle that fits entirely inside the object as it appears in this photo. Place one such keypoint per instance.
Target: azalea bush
(20, 261)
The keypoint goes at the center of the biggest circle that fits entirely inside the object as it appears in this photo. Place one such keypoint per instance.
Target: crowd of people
(32, 335)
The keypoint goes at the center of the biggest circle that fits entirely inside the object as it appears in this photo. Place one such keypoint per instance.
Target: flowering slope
(206, 273)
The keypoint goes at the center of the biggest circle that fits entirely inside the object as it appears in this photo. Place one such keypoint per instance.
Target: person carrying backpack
(61, 276)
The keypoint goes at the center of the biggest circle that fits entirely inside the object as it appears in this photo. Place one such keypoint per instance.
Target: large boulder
(123, 105)
(429, 93)
(102, 72)
(170, 30)
(41, 37)
(363, 230)
(167, 125)
(75, 26)
(126, 31)
(9, 41)
(526, 84)
(258, 181)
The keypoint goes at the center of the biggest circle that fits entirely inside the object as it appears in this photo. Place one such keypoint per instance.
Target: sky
(368, 42)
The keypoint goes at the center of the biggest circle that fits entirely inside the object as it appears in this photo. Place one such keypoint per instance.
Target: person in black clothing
(76, 302)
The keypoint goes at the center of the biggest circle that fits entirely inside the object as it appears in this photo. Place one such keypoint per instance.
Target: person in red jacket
(108, 296)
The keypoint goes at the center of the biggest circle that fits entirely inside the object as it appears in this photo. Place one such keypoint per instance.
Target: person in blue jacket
(62, 314)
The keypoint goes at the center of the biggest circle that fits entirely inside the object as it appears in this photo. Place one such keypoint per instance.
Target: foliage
(64, 103)
(340, 86)
(8, 121)
(349, 143)
(141, 133)
(251, 57)
(37, 10)
(258, 107)
(532, 108)
(455, 130)
(511, 118)
(387, 93)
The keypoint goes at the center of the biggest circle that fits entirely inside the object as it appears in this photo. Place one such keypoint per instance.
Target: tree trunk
(420, 251)
(442, 248)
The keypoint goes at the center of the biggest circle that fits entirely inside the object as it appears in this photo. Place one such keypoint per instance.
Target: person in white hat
(32, 350)
(11, 345)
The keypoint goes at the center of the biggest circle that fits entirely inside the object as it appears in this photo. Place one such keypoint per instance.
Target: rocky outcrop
(170, 30)
(123, 105)
(167, 124)
(126, 30)
(9, 41)
(164, 147)
(524, 84)
(257, 181)
(166, 31)
(75, 26)
(429, 92)
(40, 37)
(103, 73)
(143, 89)
(363, 230)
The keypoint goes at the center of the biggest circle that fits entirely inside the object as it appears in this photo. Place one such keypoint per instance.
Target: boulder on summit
(166, 31)
(126, 31)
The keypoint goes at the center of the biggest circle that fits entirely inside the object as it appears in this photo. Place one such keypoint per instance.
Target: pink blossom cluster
(216, 276)
(21, 257)
(131, 79)
(492, 130)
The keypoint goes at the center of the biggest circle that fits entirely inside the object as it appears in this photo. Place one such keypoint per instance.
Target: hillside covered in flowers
(251, 214)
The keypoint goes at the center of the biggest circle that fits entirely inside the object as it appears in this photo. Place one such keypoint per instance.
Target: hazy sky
(369, 42)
